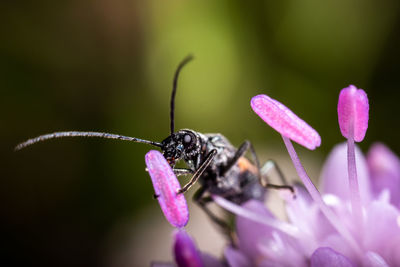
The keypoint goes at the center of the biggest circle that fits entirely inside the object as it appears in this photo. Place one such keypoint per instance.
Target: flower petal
(340, 245)
(284, 121)
(162, 264)
(352, 111)
(262, 236)
(306, 215)
(384, 167)
(282, 250)
(270, 222)
(250, 232)
(166, 186)
(382, 231)
(326, 256)
(236, 258)
(334, 176)
(186, 253)
(211, 261)
(374, 260)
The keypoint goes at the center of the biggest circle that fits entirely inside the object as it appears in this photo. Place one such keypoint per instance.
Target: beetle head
(183, 144)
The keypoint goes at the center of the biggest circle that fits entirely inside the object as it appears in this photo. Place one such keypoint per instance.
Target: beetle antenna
(83, 134)
(174, 86)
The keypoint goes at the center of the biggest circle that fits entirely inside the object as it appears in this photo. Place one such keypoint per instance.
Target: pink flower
(354, 221)
(186, 254)
(378, 241)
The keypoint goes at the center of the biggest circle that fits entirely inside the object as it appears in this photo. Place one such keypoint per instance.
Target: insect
(211, 160)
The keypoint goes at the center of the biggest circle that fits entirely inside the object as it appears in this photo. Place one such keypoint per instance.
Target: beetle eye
(187, 138)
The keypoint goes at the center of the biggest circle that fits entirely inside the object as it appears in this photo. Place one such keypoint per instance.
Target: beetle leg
(262, 172)
(203, 202)
(267, 168)
(180, 172)
(244, 147)
(198, 172)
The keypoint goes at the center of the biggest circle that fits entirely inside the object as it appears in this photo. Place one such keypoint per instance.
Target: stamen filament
(316, 196)
(355, 197)
(240, 211)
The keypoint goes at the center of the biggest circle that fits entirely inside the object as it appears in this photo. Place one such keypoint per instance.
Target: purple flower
(186, 254)
(354, 221)
(384, 170)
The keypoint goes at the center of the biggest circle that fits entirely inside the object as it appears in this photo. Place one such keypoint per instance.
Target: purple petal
(352, 111)
(301, 211)
(259, 218)
(166, 186)
(325, 256)
(269, 263)
(374, 260)
(284, 121)
(315, 228)
(306, 215)
(162, 264)
(382, 231)
(186, 253)
(258, 241)
(340, 245)
(261, 236)
(316, 196)
(250, 232)
(236, 258)
(211, 261)
(334, 176)
(384, 167)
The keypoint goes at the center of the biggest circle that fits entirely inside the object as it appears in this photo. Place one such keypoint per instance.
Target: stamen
(166, 186)
(284, 121)
(353, 116)
(355, 197)
(240, 211)
(316, 196)
(292, 127)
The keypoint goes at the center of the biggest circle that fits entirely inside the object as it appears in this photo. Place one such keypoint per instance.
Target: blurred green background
(108, 65)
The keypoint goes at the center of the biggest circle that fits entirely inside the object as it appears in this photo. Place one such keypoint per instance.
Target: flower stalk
(316, 196)
(286, 228)
(353, 114)
(355, 198)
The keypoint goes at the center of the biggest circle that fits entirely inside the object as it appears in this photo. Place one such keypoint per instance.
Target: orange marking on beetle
(245, 165)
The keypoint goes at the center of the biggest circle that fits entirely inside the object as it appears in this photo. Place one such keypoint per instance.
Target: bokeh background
(107, 65)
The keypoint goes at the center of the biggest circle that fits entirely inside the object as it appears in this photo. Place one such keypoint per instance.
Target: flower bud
(186, 253)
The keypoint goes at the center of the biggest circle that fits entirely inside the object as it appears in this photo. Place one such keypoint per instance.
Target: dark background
(107, 65)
